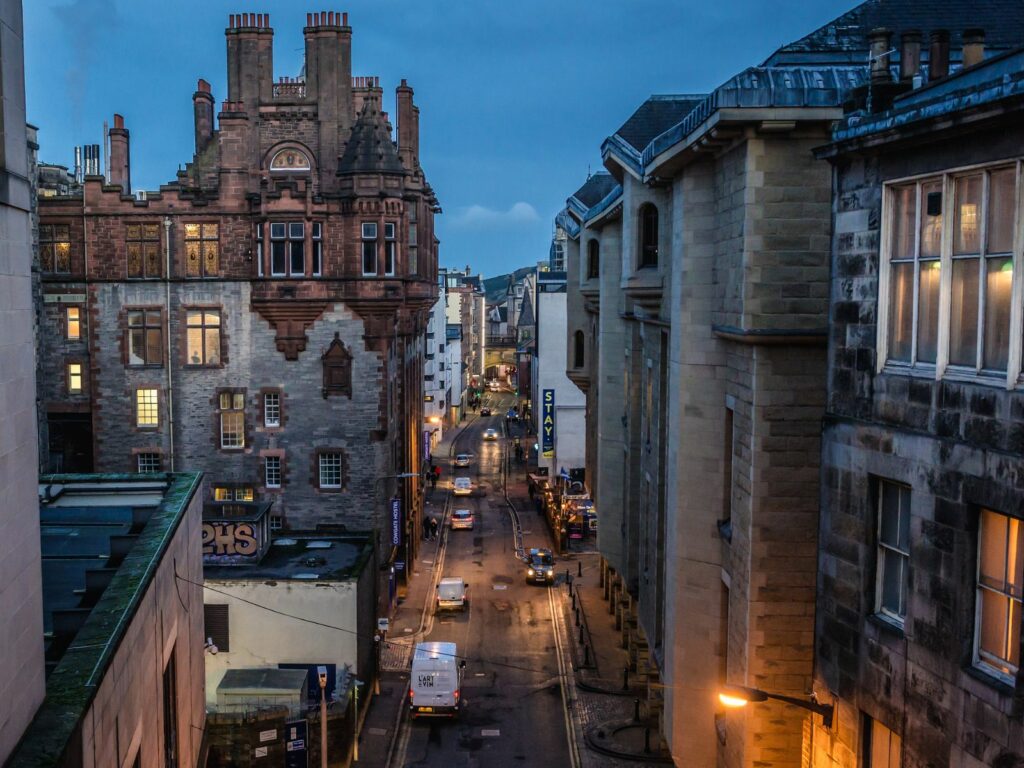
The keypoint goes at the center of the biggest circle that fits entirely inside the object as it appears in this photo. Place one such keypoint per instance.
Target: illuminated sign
(396, 521)
(547, 423)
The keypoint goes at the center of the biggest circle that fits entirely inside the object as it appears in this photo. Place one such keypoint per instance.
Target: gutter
(167, 310)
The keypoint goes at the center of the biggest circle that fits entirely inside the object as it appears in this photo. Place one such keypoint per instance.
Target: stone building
(698, 329)
(261, 317)
(921, 575)
(21, 603)
(466, 307)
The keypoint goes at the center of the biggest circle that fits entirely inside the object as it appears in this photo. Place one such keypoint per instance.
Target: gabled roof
(655, 116)
(844, 38)
(370, 147)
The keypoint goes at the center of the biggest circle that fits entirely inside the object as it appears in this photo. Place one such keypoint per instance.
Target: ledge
(816, 337)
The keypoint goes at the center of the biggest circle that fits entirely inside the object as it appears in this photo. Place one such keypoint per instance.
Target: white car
(462, 519)
(451, 594)
(462, 486)
(462, 460)
(490, 434)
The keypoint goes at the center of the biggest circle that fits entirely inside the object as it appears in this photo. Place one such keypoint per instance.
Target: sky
(515, 97)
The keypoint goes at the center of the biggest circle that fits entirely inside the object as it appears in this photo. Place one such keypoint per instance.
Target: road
(513, 701)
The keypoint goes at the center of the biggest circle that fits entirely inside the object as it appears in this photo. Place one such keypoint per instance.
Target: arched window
(593, 259)
(578, 347)
(648, 220)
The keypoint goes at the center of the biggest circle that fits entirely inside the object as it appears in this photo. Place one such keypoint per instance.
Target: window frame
(881, 547)
(141, 407)
(978, 661)
(203, 240)
(645, 259)
(71, 375)
(233, 409)
(390, 248)
(279, 461)
(267, 422)
(364, 241)
(321, 456)
(144, 243)
(147, 456)
(204, 327)
(145, 328)
(51, 235)
(317, 248)
(593, 259)
(943, 369)
(77, 321)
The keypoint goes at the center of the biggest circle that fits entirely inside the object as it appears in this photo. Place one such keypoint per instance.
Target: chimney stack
(202, 103)
(78, 164)
(938, 55)
(250, 41)
(974, 47)
(879, 45)
(329, 82)
(407, 129)
(910, 54)
(120, 158)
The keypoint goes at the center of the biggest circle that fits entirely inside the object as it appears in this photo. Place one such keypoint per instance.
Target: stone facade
(949, 439)
(301, 237)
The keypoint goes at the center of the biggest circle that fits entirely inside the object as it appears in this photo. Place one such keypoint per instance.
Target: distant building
(122, 591)
(435, 388)
(467, 307)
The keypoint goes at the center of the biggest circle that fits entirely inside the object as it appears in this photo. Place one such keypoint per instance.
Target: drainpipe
(167, 312)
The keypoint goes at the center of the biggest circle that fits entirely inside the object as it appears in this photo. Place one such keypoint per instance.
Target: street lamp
(321, 672)
(736, 696)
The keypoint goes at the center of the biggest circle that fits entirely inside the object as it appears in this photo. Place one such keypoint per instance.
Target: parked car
(451, 594)
(490, 434)
(485, 411)
(435, 681)
(462, 486)
(462, 519)
(540, 567)
(462, 460)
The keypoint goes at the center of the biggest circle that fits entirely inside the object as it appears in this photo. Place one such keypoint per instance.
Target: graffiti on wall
(229, 539)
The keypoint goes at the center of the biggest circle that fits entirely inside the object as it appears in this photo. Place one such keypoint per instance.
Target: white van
(451, 593)
(435, 682)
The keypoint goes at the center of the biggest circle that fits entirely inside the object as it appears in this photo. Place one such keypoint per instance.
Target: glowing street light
(736, 696)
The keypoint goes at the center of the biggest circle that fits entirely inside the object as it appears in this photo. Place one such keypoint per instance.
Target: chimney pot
(910, 54)
(118, 121)
(879, 40)
(974, 47)
(344, 19)
(266, 20)
(309, 19)
(938, 54)
(330, 18)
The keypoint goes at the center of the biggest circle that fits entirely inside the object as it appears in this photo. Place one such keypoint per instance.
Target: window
(147, 403)
(73, 323)
(276, 522)
(976, 249)
(170, 708)
(145, 337)
(369, 233)
(593, 259)
(288, 249)
(217, 626)
(893, 550)
(648, 225)
(330, 470)
(881, 748)
(272, 409)
(233, 493)
(390, 248)
(232, 420)
(143, 245)
(202, 333)
(149, 462)
(318, 248)
(272, 471)
(55, 248)
(259, 249)
(202, 250)
(1000, 592)
(579, 344)
(74, 377)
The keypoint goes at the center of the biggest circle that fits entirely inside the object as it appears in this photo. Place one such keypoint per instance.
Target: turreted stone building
(261, 317)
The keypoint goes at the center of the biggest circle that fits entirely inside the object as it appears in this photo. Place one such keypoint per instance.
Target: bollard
(625, 678)
(579, 568)
(568, 577)
(568, 585)
(574, 601)
(636, 710)
(581, 634)
(577, 616)
(647, 741)
(586, 655)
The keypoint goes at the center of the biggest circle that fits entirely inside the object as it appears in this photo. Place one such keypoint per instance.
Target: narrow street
(513, 705)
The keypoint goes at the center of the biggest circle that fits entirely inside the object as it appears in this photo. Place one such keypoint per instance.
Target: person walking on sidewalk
(426, 527)
(433, 527)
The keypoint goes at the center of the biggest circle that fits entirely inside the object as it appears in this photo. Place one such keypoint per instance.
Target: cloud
(479, 216)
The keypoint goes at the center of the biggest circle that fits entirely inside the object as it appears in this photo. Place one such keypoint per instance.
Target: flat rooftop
(302, 556)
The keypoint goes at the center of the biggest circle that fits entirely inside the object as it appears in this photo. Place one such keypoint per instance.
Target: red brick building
(261, 317)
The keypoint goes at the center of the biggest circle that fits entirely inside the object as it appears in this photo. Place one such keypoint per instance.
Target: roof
(654, 116)
(291, 558)
(93, 585)
(595, 188)
(265, 680)
(435, 651)
(370, 147)
(844, 38)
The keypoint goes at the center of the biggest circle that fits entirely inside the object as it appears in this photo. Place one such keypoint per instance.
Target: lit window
(272, 409)
(648, 220)
(272, 471)
(147, 412)
(369, 239)
(893, 550)
(330, 470)
(390, 248)
(233, 493)
(73, 323)
(149, 462)
(232, 420)
(318, 248)
(202, 337)
(55, 248)
(1000, 594)
(74, 377)
(145, 337)
(143, 246)
(202, 250)
(882, 747)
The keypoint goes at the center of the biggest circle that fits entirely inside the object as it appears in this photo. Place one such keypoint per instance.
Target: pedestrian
(426, 527)
(433, 482)
(433, 527)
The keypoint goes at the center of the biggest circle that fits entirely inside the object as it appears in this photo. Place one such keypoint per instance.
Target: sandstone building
(261, 317)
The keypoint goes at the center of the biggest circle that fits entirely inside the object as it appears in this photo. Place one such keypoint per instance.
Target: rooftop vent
(307, 576)
(285, 542)
(319, 544)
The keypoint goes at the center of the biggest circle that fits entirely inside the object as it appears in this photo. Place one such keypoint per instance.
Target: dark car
(485, 411)
(540, 567)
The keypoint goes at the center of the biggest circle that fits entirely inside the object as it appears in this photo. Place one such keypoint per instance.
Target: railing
(501, 341)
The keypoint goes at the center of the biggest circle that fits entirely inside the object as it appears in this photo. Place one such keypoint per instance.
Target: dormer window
(290, 160)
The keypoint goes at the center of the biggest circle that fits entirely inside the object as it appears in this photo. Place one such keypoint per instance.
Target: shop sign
(396, 521)
(547, 422)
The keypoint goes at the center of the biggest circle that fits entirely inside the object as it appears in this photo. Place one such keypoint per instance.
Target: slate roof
(845, 38)
(595, 189)
(655, 116)
(370, 147)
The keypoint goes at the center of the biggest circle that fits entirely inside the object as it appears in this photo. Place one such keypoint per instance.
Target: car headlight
(550, 572)
(530, 572)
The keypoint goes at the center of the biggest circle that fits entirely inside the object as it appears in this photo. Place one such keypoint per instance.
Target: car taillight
(411, 694)
(456, 694)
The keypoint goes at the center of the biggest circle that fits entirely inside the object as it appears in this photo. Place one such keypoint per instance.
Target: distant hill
(495, 287)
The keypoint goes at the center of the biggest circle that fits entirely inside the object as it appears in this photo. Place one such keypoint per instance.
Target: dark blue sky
(515, 97)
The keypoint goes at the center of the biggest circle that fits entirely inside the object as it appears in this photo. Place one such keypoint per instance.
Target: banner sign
(547, 423)
(396, 521)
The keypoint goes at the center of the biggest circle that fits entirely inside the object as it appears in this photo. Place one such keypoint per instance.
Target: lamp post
(321, 672)
(736, 696)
